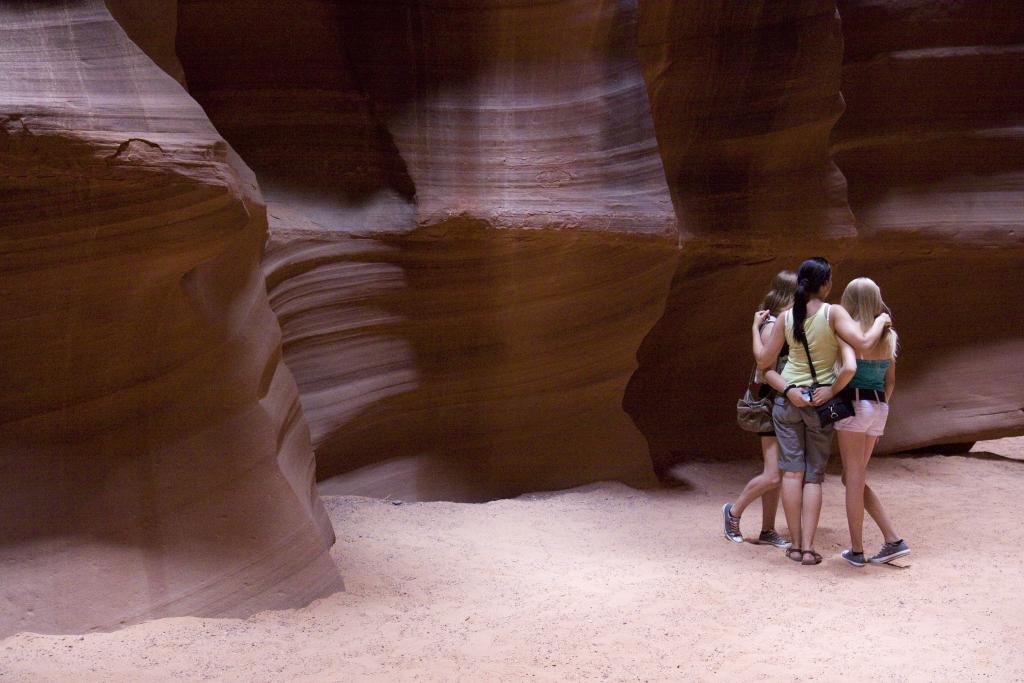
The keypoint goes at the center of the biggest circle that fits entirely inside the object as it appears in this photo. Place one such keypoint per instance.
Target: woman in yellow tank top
(805, 446)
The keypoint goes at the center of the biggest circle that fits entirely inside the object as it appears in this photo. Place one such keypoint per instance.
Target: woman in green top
(805, 446)
(870, 390)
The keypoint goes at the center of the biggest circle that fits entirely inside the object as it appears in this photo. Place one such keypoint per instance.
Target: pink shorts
(869, 417)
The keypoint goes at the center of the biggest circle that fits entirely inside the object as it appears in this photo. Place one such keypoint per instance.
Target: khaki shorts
(804, 445)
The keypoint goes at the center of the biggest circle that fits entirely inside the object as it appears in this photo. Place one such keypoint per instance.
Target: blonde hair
(780, 297)
(862, 299)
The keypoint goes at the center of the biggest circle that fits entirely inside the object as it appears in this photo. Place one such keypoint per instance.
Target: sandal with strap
(791, 551)
(815, 558)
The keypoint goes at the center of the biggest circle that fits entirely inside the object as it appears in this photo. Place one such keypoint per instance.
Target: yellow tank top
(824, 350)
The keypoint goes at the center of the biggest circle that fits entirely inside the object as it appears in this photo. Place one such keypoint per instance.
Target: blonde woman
(870, 390)
(765, 485)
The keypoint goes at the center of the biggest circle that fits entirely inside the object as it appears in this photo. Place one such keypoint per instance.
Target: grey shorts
(804, 445)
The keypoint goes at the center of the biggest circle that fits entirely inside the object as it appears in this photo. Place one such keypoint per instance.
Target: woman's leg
(770, 506)
(810, 511)
(765, 484)
(851, 448)
(817, 451)
(790, 432)
(792, 501)
(871, 501)
(770, 498)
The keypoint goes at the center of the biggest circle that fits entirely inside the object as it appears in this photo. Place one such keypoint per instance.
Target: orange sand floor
(609, 583)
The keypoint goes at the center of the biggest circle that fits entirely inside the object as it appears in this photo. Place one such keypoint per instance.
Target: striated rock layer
(744, 96)
(442, 350)
(519, 114)
(463, 362)
(154, 457)
(283, 93)
(152, 26)
(932, 146)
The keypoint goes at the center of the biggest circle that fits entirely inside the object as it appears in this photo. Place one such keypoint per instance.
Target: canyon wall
(932, 147)
(745, 96)
(489, 228)
(153, 453)
(470, 230)
(393, 137)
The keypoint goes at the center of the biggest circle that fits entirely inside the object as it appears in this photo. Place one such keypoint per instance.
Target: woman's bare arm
(849, 330)
(890, 379)
(766, 351)
(771, 377)
(774, 380)
(849, 369)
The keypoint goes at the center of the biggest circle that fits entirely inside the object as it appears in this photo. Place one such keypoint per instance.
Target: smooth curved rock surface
(154, 457)
(442, 350)
(283, 93)
(744, 97)
(518, 114)
(932, 146)
(471, 229)
(467, 363)
(152, 26)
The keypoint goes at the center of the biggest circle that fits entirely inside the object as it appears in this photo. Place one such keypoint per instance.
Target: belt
(863, 394)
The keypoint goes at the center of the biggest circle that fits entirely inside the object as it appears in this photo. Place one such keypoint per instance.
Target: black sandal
(816, 558)
(799, 554)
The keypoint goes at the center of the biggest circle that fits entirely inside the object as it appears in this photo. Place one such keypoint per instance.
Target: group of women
(808, 353)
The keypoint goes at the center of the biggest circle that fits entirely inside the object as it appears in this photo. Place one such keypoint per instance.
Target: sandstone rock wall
(519, 114)
(152, 26)
(463, 362)
(153, 454)
(475, 215)
(744, 96)
(283, 92)
(470, 230)
(932, 146)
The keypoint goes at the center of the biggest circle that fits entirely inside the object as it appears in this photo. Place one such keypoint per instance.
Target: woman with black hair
(818, 335)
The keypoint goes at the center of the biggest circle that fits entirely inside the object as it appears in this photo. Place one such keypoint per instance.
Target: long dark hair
(813, 274)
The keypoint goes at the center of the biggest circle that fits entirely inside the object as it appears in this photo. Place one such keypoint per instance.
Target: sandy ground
(609, 583)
